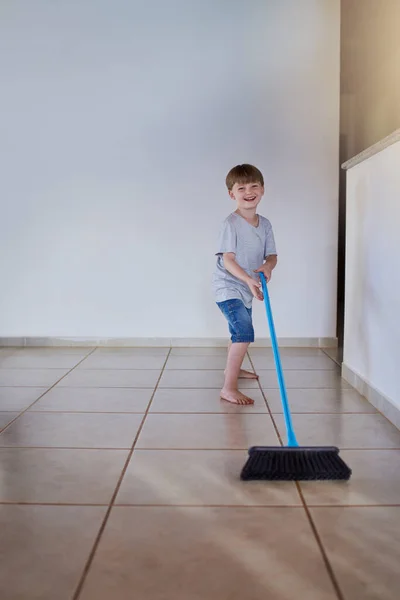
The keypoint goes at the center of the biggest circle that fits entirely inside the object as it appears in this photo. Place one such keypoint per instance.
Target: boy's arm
(268, 266)
(234, 269)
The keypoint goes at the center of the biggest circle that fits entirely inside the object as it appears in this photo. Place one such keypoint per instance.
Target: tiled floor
(119, 479)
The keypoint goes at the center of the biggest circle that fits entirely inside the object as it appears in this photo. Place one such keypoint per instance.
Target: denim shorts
(239, 320)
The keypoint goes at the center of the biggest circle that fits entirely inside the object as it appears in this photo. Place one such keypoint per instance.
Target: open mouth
(250, 199)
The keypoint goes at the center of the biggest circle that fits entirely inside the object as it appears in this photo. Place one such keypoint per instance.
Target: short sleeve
(227, 239)
(270, 247)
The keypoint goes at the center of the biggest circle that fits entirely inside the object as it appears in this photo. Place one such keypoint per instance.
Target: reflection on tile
(198, 477)
(313, 363)
(320, 401)
(215, 553)
(343, 430)
(6, 418)
(202, 362)
(304, 379)
(363, 546)
(375, 480)
(41, 475)
(202, 400)
(200, 379)
(44, 549)
(19, 398)
(227, 431)
(111, 378)
(122, 361)
(71, 430)
(113, 400)
(31, 377)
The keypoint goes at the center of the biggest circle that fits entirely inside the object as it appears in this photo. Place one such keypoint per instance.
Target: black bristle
(295, 464)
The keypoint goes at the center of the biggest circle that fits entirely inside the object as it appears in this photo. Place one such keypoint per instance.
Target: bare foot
(235, 397)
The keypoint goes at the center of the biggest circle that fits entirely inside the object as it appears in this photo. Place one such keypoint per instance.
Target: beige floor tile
(44, 549)
(198, 478)
(19, 398)
(189, 351)
(35, 361)
(208, 553)
(227, 431)
(200, 379)
(334, 353)
(113, 400)
(201, 362)
(355, 431)
(122, 361)
(66, 430)
(304, 379)
(375, 480)
(202, 400)
(363, 546)
(5, 356)
(130, 352)
(54, 351)
(31, 377)
(313, 363)
(111, 378)
(5, 352)
(321, 400)
(6, 418)
(41, 475)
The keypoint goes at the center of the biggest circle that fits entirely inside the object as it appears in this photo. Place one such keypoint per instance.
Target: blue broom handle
(291, 438)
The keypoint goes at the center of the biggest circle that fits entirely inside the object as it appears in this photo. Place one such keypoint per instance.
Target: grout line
(318, 539)
(176, 412)
(378, 505)
(149, 387)
(328, 566)
(19, 503)
(85, 369)
(114, 496)
(166, 449)
(169, 505)
(126, 505)
(44, 393)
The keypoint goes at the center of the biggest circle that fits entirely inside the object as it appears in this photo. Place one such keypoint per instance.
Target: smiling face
(247, 195)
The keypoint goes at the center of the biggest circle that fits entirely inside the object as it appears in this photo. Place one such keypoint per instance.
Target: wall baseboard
(374, 396)
(91, 342)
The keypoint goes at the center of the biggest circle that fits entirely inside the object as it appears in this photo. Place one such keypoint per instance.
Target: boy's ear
(231, 194)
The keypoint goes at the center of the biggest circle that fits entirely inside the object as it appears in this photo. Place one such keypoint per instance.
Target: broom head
(294, 464)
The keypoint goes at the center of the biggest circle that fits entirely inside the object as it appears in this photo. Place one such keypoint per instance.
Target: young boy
(246, 240)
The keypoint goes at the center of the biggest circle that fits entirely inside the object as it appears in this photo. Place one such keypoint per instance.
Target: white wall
(372, 317)
(120, 121)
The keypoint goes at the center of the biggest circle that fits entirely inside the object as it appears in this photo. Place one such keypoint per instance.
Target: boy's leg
(241, 328)
(234, 362)
(243, 374)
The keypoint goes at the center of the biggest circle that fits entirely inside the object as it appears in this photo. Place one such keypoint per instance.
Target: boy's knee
(240, 321)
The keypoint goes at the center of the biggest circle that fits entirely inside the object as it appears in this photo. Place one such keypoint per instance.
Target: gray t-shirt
(251, 246)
